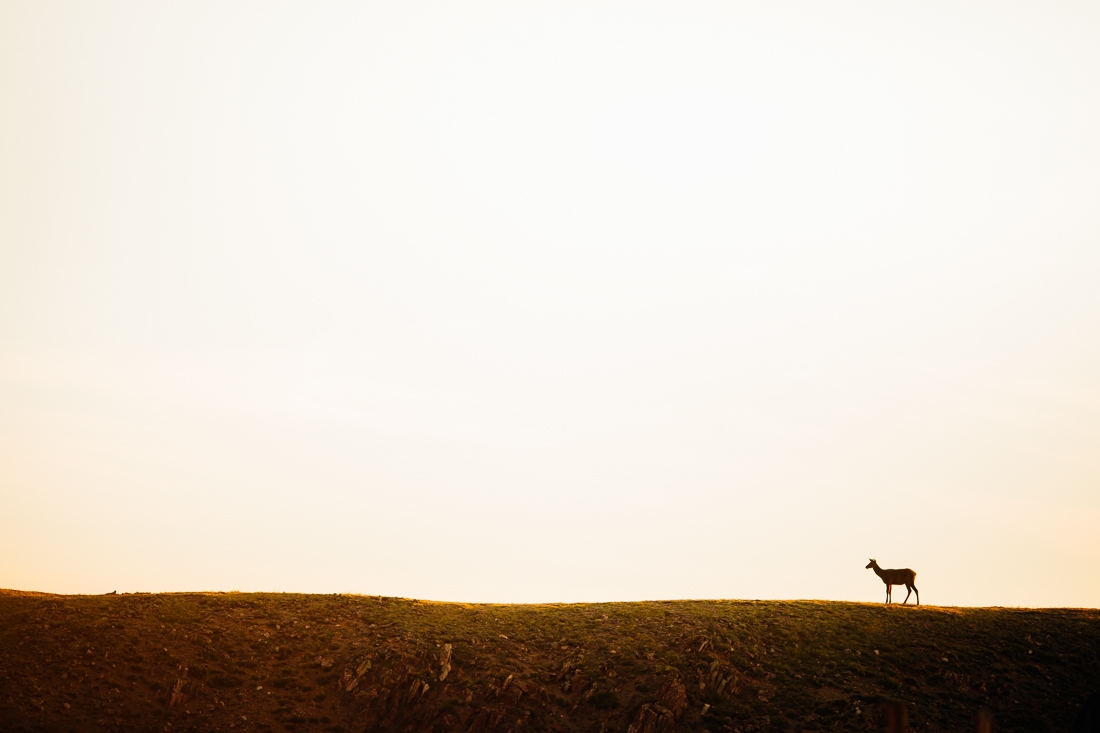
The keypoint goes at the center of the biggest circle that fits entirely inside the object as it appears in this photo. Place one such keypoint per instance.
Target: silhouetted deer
(904, 577)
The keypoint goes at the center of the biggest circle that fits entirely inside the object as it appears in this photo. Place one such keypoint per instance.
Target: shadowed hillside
(287, 662)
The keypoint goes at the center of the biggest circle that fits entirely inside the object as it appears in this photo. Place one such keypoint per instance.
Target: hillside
(288, 662)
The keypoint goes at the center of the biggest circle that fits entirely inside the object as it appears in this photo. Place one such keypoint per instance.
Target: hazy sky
(522, 301)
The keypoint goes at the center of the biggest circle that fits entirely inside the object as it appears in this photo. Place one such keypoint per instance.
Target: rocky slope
(287, 662)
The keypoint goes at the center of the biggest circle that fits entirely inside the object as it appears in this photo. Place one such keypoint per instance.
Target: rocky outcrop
(673, 697)
(352, 674)
(652, 718)
(444, 662)
(719, 681)
(661, 716)
(181, 692)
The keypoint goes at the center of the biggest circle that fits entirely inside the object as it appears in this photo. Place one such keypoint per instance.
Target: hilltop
(291, 662)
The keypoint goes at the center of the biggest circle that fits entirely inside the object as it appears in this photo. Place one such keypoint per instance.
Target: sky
(551, 301)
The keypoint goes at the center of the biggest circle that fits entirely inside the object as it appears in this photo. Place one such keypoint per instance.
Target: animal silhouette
(905, 577)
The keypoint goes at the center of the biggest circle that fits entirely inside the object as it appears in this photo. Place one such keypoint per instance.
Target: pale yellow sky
(551, 301)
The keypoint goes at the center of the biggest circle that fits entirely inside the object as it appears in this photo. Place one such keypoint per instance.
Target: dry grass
(274, 662)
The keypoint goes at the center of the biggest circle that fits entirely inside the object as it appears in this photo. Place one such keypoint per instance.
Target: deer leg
(918, 594)
(887, 592)
(910, 589)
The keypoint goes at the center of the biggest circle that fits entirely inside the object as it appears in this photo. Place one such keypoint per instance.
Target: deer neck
(878, 571)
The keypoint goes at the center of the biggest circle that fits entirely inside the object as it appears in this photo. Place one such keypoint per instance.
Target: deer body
(905, 577)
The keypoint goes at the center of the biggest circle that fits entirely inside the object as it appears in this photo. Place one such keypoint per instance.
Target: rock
(350, 679)
(325, 662)
(444, 662)
(417, 690)
(673, 697)
(179, 692)
(591, 691)
(579, 683)
(706, 707)
(652, 718)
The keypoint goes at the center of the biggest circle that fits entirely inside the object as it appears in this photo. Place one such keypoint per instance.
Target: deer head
(871, 564)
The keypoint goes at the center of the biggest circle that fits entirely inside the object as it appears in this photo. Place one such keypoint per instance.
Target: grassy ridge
(275, 662)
